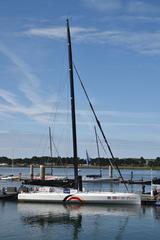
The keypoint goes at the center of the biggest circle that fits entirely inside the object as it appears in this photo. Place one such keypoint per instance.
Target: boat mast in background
(73, 115)
(50, 144)
(98, 150)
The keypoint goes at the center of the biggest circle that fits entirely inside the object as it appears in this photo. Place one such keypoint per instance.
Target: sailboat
(77, 195)
(98, 178)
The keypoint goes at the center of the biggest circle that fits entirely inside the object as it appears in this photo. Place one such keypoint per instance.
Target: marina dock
(149, 200)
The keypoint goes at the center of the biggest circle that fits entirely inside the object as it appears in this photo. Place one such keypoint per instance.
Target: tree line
(63, 161)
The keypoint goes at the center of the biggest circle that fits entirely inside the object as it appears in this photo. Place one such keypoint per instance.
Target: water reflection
(154, 211)
(45, 215)
(157, 213)
(41, 209)
(122, 228)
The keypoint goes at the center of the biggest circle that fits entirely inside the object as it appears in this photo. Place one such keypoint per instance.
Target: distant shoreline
(68, 162)
(84, 166)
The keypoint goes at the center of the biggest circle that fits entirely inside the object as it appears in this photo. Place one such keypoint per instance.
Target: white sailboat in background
(99, 178)
(57, 195)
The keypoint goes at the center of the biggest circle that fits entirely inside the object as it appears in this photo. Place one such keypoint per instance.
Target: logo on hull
(72, 199)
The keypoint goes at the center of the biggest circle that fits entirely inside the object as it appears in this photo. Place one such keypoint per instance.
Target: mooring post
(42, 172)
(31, 171)
(110, 172)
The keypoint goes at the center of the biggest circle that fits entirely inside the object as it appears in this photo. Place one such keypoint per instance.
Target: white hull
(80, 197)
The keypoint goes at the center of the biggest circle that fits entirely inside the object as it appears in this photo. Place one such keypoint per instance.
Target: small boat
(10, 178)
(99, 178)
(77, 195)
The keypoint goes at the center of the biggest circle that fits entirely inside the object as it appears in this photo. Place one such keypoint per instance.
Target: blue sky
(116, 48)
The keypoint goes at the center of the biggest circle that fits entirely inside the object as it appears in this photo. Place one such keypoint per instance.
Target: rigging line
(55, 146)
(97, 143)
(105, 152)
(57, 113)
(61, 86)
(59, 93)
(100, 127)
(44, 144)
(58, 155)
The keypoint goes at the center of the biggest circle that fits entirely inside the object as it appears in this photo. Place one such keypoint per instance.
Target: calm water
(50, 221)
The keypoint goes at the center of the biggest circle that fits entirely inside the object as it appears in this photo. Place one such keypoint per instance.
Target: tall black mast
(74, 135)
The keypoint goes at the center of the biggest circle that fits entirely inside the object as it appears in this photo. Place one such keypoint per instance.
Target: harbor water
(50, 221)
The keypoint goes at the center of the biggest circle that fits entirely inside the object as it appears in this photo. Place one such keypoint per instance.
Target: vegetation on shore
(67, 161)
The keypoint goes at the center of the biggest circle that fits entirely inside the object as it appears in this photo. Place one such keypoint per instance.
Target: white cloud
(57, 32)
(137, 6)
(141, 6)
(142, 42)
(145, 42)
(8, 97)
(29, 85)
(103, 5)
(32, 83)
(35, 111)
